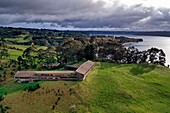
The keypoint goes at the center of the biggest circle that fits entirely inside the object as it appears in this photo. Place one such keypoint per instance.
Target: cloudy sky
(86, 14)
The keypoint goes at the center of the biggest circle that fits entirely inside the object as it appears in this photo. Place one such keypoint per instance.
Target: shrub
(5, 72)
(12, 73)
(4, 77)
(4, 109)
(32, 87)
(1, 78)
(1, 68)
(1, 97)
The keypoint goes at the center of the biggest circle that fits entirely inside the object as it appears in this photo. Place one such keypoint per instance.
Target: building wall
(79, 76)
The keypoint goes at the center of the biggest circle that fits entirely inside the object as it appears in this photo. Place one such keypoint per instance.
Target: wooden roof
(32, 73)
(25, 74)
(85, 67)
(75, 66)
(54, 72)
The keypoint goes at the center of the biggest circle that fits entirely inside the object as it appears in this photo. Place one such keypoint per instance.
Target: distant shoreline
(137, 33)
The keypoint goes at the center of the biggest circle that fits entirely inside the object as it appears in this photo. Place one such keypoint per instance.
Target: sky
(140, 15)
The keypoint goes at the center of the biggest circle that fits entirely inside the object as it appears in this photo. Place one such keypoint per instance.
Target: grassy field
(17, 39)
(23, 47)
(14, 87)
(130, 88)
(14, 54)
(109, 88)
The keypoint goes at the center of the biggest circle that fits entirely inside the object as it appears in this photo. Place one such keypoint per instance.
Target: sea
(149, 42)
(152, 41)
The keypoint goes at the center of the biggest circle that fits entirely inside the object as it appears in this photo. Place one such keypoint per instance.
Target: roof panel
(25, 74)
(85, 67)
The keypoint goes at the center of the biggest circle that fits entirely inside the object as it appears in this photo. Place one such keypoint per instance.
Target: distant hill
(118, 88)
(7, 32)
(143, 33)
(42, 37)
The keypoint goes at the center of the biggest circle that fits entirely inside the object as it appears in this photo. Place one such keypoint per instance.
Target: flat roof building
(79, 74)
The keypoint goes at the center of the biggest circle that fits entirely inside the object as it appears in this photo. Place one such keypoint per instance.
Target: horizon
(93, 15)
(84, 30)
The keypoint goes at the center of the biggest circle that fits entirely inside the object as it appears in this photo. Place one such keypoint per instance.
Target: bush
(32, 87)
(12, 73)
(1, 78)
(4, 77)
(5, 72)
(4, 109)
(1, 68)
(1, 97)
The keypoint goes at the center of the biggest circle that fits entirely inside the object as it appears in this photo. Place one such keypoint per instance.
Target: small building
(30, 76)
(53, 65)
(79, 74)
(24, 76)
(73, 67)
(84, 69)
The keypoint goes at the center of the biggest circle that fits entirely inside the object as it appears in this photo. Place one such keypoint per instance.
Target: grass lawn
(14, 87)
(26, 46)
(14, 54)
(129, 88)
(109, 88)
(20, 39)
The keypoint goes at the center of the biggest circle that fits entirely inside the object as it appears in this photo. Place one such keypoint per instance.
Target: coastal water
(153, 41)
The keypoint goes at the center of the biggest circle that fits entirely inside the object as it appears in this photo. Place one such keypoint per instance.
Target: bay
(153, 41)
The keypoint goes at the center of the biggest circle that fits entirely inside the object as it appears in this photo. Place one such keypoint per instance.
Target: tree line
(3, 49)
(73, 50)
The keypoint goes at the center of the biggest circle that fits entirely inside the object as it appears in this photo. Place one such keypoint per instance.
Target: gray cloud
(84, 14)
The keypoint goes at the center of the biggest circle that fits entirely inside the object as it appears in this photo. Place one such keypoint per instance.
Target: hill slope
(108, 88)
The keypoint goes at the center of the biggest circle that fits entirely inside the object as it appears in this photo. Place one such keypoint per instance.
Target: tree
(19, 60)
(3, 49)
(72, 51)
(111, 51)
(29, 57)
(90, 52)
(132, 55)
(0, 77)
(156, 56)
(41, 55)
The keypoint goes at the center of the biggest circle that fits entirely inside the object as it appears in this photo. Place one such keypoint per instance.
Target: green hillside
(109, 88)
